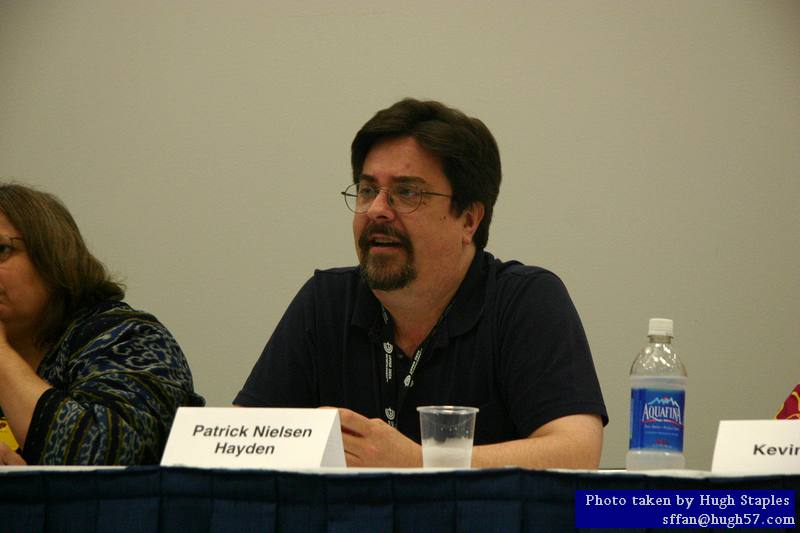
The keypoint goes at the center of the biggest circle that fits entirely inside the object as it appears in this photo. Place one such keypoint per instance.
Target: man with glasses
(429, 318)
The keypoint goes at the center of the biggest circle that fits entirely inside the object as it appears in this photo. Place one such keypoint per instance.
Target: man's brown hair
(468, 152)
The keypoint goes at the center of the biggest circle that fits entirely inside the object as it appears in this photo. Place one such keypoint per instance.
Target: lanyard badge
(392, 398)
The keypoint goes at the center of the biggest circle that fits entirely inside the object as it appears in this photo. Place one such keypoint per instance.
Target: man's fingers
(353, 422)
(351, 454)
(353, 444)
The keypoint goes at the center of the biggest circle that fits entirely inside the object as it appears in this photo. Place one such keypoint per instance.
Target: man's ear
(472, 217)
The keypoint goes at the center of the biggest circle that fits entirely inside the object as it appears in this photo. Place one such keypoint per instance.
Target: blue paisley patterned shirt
(118, 377)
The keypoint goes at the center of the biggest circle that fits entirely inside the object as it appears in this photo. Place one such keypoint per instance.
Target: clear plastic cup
(447, 432)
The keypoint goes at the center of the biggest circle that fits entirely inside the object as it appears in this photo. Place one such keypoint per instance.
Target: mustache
(377, 229)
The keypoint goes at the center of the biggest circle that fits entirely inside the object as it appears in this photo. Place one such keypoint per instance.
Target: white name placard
(232, 437)
(757, 447)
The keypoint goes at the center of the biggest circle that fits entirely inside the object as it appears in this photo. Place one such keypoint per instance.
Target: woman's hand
(3, 338)
(10, 457)
(20, 390)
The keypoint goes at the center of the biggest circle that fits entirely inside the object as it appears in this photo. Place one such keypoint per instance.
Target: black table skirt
(188, 500)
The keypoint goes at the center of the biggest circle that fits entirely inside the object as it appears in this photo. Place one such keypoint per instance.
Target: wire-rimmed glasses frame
(404, 198)
(7, 246)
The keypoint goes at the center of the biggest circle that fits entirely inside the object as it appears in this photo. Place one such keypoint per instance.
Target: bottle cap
(661, 327)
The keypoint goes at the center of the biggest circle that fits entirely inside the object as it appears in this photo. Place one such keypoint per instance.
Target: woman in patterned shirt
(84, 378)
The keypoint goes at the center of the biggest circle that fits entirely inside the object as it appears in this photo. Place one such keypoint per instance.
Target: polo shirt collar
(367, 308)
(470, 297)
(467, 303)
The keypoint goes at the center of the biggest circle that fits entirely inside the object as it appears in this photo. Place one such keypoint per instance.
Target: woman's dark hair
(75, 278)
(468, 152)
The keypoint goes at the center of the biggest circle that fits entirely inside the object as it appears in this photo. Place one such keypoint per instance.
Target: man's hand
(10, 457)
(373, 442)
(572, 441)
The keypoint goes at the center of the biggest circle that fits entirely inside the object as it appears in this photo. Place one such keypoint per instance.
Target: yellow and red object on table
(791, 406)
(6, 436)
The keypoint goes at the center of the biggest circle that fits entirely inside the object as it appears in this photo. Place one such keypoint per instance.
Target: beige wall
(650, 152)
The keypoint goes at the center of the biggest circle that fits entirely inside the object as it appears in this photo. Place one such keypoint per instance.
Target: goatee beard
(379, 271)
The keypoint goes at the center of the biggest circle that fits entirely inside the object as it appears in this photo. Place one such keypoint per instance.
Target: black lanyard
(392, 399)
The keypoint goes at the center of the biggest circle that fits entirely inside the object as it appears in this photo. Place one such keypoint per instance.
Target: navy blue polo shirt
(512, 345)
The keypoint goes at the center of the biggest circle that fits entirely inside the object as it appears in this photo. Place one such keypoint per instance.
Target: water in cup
(451, 453)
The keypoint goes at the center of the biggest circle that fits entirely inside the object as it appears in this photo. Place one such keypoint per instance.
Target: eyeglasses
(7, 247)
(402, 197)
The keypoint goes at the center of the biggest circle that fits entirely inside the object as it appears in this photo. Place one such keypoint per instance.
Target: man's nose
(381, 207)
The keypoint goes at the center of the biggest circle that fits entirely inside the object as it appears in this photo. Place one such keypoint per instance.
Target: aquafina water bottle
(658, 402)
